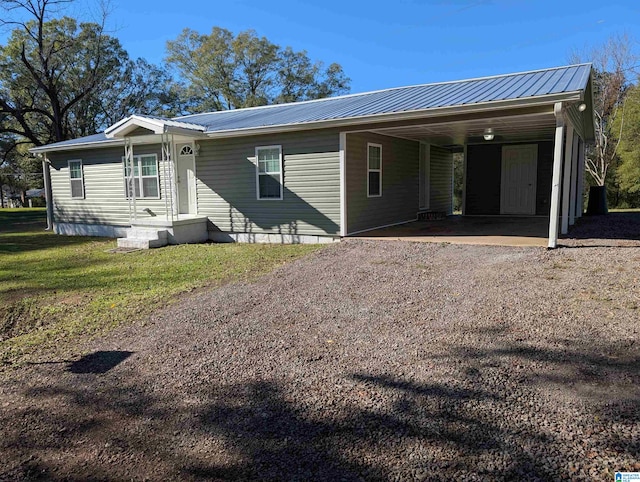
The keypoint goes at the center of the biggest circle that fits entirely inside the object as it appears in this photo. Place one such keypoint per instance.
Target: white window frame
(76, 178)
(258, 174)
(369, 170)
(138, 160)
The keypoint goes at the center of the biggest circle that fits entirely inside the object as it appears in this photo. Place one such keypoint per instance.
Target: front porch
(159, 231)
(169, 178)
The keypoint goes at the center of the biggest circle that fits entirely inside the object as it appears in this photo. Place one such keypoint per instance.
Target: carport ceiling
(531, 127)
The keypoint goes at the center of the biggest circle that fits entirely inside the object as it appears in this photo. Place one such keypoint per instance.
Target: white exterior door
(519, 176)
(186, 179)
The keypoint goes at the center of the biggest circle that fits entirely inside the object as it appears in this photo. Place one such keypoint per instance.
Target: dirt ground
(368, 360)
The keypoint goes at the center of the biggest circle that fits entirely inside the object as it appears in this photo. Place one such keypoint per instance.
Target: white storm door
(186, 179)
(519, 177)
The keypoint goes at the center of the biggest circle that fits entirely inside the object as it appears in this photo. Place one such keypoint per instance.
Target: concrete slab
(482, 230)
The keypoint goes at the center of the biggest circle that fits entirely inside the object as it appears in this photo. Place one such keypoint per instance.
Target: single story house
(324, 169)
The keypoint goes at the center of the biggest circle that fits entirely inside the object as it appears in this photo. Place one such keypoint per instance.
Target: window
(146, 181)
(269, 172)
(186, 151)
(374, 170)
(76, 179)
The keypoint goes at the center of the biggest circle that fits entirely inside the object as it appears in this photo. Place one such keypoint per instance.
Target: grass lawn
(56, 291)
(624, 210)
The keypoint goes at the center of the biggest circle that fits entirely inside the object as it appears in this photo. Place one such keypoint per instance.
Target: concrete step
(140, 232)
(137, 243)
(143, 237)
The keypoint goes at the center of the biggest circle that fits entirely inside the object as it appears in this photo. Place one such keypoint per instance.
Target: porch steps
(431, 215)
(144, 238)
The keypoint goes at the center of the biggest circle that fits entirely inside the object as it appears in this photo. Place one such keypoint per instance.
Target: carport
(522, 141)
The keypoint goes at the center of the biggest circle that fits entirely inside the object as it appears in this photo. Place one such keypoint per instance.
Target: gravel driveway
(368, 360)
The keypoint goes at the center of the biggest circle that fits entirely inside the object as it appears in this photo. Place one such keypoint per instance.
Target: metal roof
(549, 84)
(402, 99)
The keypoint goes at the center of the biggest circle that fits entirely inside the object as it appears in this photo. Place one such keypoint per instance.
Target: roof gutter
(115, 142)
(82, 145)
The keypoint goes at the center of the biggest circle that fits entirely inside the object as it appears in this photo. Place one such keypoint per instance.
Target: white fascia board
(116, 125)
(131, 123)
(491, 106)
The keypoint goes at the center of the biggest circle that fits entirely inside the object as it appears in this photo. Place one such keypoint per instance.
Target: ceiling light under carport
(488, 134)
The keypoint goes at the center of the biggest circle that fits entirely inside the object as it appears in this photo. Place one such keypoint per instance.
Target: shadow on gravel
(99, 362)
(274, 440)
(370, 427)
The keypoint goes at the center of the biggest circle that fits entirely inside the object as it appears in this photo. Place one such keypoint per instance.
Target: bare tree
(614, 65)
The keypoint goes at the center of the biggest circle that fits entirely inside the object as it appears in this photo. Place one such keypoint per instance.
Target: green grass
(624, 210)
(58, 290)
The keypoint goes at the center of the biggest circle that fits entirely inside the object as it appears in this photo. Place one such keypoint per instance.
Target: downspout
(46, 174)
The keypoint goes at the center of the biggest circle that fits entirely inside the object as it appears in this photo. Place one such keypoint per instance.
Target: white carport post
(566, 180)
(574, 180)
(580, 193)
(557, 174)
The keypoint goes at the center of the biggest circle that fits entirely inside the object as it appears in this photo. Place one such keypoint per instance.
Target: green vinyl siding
(399, 199)
(104, 199)
(310, 204)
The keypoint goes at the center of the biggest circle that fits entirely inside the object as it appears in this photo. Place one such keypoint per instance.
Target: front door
(519, 176)
(186, 179)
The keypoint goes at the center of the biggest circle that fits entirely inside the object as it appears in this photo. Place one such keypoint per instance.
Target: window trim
(76, 178)
(369, 170)
(258, 174)
(138, 159)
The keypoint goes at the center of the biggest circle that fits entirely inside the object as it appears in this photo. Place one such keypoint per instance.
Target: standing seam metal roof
(402, 99)
(559, 80)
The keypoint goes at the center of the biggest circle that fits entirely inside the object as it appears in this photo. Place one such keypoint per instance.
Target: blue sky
(391, 43)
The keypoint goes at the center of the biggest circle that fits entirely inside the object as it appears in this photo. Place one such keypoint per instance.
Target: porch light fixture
(488, 134)
(582, 107)
(196, 149)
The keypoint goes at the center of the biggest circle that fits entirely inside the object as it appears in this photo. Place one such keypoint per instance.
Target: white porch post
(566, 180)
(574, 180)
(46, 172)
(169, 176)
(131, 179)
(555, 181)
(580, 193)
